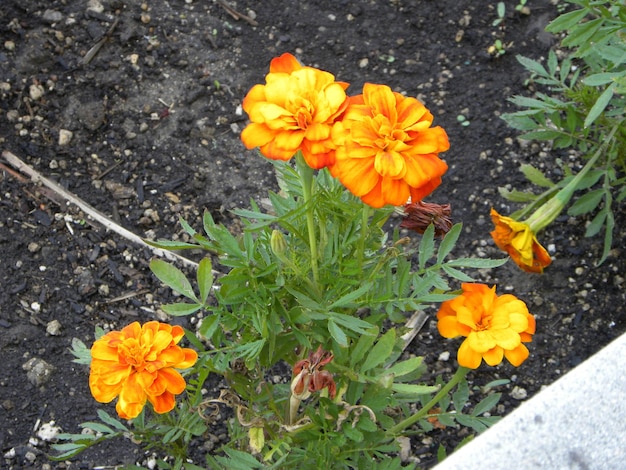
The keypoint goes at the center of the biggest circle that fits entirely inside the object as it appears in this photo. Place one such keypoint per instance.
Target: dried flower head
(419, 215)
(309, 376)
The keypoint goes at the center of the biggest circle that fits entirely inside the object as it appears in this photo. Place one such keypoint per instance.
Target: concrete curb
(578, 422)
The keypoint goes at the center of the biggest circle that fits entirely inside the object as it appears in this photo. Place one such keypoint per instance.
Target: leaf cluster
(583, 107)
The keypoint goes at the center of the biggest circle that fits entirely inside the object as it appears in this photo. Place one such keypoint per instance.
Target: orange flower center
(132, 353)
(303, 113)
(484, 323)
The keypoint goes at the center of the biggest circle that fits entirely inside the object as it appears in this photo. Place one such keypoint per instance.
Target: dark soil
(155, 115)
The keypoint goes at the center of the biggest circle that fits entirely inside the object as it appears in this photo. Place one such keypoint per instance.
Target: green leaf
(171, 245)
(478, 263)
(600, 105)
(603, 78)
(456, 274)
(517, 196)
(532, 65)
(535, 176)
(405, 367)
(363, 345)
(98, 427)
(566, 21)
(209, 325)
(448, 242)
(348, 299)
(596, 224)
(238, 460)
(486, 404)
(205, 278)
(181, 309)
(111, 421)
(541, 135)
(173, 277)
(413, 389)
(427, 246)
(380, 352)
(587, 202)
(337, 334)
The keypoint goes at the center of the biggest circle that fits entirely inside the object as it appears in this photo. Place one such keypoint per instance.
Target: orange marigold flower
(518, 239)
(494, 326)
(387, 149)
(137, 364)
(294, 110)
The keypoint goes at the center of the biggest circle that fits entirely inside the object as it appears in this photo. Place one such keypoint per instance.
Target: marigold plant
(293, 111)
(495, 326)
(137, 364)
(387, 151)
(519, 240)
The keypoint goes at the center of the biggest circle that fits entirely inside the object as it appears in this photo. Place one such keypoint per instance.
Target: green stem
(306, 177)
(365, 216)
(544, 216)
(411, 420)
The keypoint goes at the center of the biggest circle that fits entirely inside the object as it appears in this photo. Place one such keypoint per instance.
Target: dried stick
(96, 215)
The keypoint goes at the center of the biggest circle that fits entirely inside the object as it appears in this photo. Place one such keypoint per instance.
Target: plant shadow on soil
(155, 115)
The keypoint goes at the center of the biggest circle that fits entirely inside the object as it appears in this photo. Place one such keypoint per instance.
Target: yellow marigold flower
(518, 239)
(387, 149)
(293, 111)
(494, 326)
(137, 364)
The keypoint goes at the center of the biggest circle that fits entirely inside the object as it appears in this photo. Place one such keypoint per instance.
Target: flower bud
(278, 244)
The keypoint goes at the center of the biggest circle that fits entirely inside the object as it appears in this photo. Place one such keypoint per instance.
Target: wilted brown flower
(419, 215)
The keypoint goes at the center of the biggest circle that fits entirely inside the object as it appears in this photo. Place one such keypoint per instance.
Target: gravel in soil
(136, 109)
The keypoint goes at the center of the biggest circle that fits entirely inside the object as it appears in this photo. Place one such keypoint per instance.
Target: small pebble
(53, 328)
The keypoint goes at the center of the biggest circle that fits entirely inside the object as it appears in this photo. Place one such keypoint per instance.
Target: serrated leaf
(532, 65)
(209, 325)
(405, 367)
(111, 421)
(566, 21)
(596, 224)
(98, 427)
(486, 404)
(456, 274)
(535, 176)
(363, 345)
(350, 297)
(600, 105)
(413, 389)
(171, 245)
(448, 242)
(602, 78)
(205, 278)
(517, 196)
(380, 352)
(541, 135)
(239, 460)
(181, 309)
(427, 246)
(587, 202)
(172, 277)
(337, 334)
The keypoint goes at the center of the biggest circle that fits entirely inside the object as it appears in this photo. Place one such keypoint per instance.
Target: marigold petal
(467, 357)
(494, 356)
(506, 339)
(162, 403)
(102, 350)
(256, 135)
(174, 382)
(286, 63)
(359, 176)
(395, 192)
(102, 392)
(448, 327)
(481, 341)
(518, 355)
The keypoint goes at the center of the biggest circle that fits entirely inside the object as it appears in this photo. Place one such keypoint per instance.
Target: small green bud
(278, 244)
